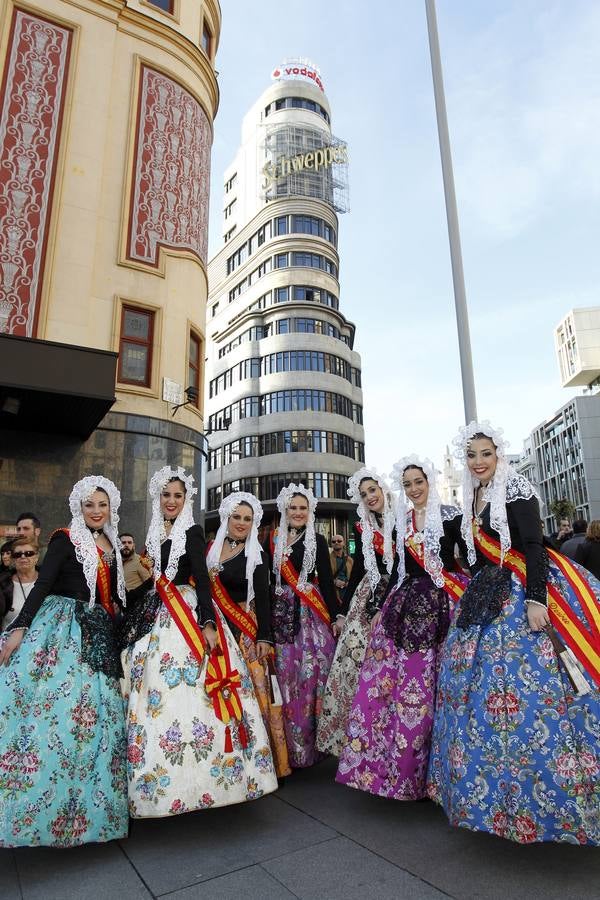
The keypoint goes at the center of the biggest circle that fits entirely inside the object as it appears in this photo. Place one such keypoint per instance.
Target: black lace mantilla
(139, 618)
(375, 601)
(483, 599)
(417, 615)
(285, 617)
(98, 639)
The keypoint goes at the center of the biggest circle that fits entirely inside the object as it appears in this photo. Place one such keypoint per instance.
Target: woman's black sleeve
(195, 548)
(356, 574)
(526, 516)
(325, 574)
(57, 554)
(450, 538)
(393, 579)
(262, 600)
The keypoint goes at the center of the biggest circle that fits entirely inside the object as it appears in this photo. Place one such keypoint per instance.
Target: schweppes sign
(312, 161)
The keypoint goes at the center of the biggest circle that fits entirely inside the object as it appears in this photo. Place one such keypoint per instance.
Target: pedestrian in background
(15, 587)
(570, 546)
(341, 565)
(137, 576)
(588, 552)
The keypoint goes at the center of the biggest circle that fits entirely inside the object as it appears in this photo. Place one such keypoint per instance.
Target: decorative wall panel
(171, 170)
(32, 100)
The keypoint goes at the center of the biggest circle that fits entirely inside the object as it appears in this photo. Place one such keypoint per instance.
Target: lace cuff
(529, 602)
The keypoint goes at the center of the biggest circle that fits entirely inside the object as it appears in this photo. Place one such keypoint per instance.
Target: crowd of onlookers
(22, 556)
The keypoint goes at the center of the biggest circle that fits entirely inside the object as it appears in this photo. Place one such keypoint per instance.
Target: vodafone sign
(297, 71)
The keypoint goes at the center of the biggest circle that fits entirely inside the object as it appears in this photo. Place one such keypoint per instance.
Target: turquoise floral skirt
(514, 751)
(63, 779)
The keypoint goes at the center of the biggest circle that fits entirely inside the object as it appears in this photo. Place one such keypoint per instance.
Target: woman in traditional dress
(62, 729)
(301, 617)
(239, 573)
(516, 740)
(373, 560)
(389, 727)
(195, 736)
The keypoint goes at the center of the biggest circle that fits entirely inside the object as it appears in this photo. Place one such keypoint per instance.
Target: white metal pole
(458, 278)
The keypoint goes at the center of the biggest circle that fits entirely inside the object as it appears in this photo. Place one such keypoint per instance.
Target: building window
(135, 346)
(195, 367)
(165, 5)
(206, 41)
(281, 260)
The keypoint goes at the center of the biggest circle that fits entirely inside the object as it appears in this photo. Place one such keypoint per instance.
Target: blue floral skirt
(514, 752)
(63, 779)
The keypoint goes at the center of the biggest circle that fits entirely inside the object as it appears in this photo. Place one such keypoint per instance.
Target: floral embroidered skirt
(345, 669)
(176, 757)
(62, 733)
(389, 727)
(514, 752)
(272, 712)
(304, 648)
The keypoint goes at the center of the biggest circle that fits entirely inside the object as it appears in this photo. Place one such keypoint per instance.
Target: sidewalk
(313, 839)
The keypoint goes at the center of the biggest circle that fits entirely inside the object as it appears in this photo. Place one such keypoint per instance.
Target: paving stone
(180, 851)
(342, 870)
(465, 864)
(92, 872)
(9, 880)
(252, 883)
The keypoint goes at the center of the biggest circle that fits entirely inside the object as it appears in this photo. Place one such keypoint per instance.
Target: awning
(54, 388)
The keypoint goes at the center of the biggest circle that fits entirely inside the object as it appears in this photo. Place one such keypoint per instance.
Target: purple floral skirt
(389, 729)
(302, 661)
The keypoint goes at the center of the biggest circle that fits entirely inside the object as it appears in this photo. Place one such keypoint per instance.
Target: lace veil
(86, 551)
(435, 516)
(310, 539)
(505, 487)
(252, 548)
(369, 523)
(156, 532)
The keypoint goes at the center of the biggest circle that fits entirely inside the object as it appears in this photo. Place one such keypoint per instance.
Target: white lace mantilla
(252, 548)
(370, 525)
(156, 532)
(310, 539)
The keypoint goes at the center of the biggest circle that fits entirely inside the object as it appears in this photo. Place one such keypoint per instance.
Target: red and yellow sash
(309, 596)
(582, 637)
(232, 610)
(377, 540)
(452, 584)
(222, 684)
(182, 615)
(102, 578)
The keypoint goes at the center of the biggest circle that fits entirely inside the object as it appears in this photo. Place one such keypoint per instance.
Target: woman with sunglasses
(15, 588)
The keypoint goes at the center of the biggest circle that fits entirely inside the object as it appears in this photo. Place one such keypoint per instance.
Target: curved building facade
(284, 398)
(105, 138)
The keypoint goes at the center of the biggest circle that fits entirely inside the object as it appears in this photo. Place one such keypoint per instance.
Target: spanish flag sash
(102, 578)
(182, 616)
(377, 540)
(309, 596)
(232, 610)
(452, 584)
(583, 637)
(222, 684)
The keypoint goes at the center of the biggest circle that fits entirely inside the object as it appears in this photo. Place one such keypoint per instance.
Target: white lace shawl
(505, 487)
(310, 539)
(157, 532)
(369, 523)
(252, 548)
(86, 551)
(435, 516)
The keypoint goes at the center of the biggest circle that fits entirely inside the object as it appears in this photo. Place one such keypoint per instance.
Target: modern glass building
(284, 398)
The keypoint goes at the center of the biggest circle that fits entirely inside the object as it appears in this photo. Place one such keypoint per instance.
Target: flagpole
(458, 278)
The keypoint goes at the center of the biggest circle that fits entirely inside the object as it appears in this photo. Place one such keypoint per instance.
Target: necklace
(233, 542)
(95, 532)
(294, 532)
(170, 521)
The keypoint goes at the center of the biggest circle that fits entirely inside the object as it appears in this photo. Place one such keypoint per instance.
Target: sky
(522, 83)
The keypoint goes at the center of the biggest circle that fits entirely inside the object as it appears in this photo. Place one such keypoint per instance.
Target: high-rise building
(577, 344)
(284, 392)
(105, 137)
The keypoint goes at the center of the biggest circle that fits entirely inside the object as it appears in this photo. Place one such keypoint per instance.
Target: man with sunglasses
(341, 565)
(15, 588)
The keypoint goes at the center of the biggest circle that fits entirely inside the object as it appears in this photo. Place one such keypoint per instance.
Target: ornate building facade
(284, 396)
(105, 138)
